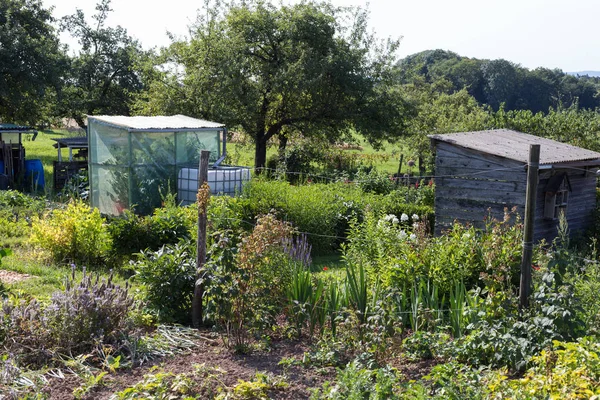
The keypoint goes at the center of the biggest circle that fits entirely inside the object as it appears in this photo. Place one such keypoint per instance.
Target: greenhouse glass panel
(156, 149)
(110, 188)
(109, 145)
(189, 145)
(149, 184)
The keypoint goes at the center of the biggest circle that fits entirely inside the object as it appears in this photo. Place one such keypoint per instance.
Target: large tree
(276, 70)
(103, 78)
(31, 61)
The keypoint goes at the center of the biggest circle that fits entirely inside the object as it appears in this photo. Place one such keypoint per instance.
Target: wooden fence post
(530, 199)
(398, 176)
(197, 312)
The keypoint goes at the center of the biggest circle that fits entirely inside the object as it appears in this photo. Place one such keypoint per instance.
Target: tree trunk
(283, 140)
(260, 155)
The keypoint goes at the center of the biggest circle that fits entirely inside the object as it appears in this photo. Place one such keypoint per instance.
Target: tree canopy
(32, 62)
(277, 70)
(496, 82)
(103, 76)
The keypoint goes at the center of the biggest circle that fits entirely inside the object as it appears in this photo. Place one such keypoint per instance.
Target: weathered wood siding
(581, 203)
(472, 185)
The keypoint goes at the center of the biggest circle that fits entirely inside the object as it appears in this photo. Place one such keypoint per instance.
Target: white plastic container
(221, 180)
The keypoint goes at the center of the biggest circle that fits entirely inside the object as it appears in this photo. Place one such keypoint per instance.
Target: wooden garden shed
(479, 174)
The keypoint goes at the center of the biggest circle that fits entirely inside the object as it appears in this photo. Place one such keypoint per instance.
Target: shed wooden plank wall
(472, 185)
(582, 201)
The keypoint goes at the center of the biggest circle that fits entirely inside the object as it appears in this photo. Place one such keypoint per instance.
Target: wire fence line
(340, 179)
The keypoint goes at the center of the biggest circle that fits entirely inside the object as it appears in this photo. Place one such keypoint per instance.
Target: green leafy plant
(76, 234)
(168, 277)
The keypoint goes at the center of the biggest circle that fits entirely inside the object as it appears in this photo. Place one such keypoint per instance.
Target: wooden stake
(530, 198)
(197, 310)
(399, 170)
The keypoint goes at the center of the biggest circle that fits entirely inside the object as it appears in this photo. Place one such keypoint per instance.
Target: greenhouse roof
(157, 122)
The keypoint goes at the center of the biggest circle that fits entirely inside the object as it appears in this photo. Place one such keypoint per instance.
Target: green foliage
(306, 301)
(455, 381)
(32, 62)
(17, 210)
(325, 210)
(356, 382)
(160, 385)
(257, 388)
(168, 277)
(503, 338)
(102, 77)
(496, 82)
(563, 370)
(586, 287)
(168, 225)
(423, 345)
(246, 279)
(357, 289)
(75, 234)
(306, 81)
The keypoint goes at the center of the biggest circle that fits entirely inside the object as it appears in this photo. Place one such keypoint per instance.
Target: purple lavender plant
(298, 249)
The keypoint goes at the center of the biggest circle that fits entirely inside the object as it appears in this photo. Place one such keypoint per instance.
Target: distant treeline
(494, 82)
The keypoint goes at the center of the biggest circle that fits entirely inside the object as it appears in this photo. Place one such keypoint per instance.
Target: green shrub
(17, 210)
(357, 382)
(247, 279)
(169, 224)
(324, 211)
(75, 234)
(168, 276)
(562, 371)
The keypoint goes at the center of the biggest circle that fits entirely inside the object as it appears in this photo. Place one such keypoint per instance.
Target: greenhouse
(135, 161)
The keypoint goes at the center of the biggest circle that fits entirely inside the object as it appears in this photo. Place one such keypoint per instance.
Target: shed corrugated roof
(156, 122)
(515, 146)
(15, 128)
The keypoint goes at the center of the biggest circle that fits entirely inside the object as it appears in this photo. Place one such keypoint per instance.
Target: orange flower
(325, 268)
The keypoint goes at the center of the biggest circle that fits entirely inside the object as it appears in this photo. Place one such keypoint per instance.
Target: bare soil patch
(234, 367)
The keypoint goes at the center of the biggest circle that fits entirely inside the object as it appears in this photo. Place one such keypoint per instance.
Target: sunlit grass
(47, 277)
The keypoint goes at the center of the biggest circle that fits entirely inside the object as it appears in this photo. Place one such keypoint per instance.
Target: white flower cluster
(390, 218)
(402, 235)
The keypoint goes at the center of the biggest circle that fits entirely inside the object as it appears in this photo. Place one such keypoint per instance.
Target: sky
(533, 33)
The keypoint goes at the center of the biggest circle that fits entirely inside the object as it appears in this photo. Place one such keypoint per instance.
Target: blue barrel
(35, 170)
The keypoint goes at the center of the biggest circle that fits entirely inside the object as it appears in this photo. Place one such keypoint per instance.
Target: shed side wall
(581, 204)
(472, 185)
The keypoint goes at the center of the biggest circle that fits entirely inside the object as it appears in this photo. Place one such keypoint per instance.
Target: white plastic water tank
(221, 180)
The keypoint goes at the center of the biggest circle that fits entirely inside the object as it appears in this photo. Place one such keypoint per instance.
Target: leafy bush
(509, 340)
(563, 371)
(357, 382)
(397, 249)
(247, 278)
(169, 224)
(168, 277)
(322, 210)
(17, 210)
(84, 315)
(77, 234)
